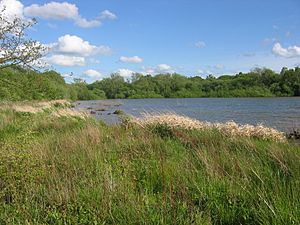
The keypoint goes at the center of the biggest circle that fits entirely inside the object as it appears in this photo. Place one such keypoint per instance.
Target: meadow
(58, 167)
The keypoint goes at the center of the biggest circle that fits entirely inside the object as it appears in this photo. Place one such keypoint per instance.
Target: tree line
(19, 83)
(257, 83)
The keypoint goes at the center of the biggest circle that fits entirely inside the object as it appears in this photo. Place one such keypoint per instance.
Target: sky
(94, 38)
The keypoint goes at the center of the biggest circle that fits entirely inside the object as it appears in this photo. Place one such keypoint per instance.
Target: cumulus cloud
(106, 14)
(74, 45)
(53, 10)
(84, 23)
(13, 8)
(126, 73)
(71, 50)
(289, 52)
(93, 73)
(200, 44)
(204, 73)
(161, 68)
(65, 10)
(65, 60)
(148, 70)
(67, 75)
(133, 59)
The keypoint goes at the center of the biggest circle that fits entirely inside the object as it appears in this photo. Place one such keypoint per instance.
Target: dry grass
(33, 107)
(39, 106)
(70, 112)
(229, 128)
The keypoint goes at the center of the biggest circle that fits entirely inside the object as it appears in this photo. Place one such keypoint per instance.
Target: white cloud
(94, 61)
(126, 73)
(106, 14)
(204, 73)
(93, 73)
(64, 60)
(13, 8)
(290, 52)
(67, 75)
(163, 68)
(53, 10)
(65, 10)
(74, 45)
(134, 59)
(200, 44)
(84, 23)
(71, 50)
(147, 71)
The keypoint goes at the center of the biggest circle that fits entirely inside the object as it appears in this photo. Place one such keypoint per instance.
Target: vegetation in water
(62, 169)
(118, 112)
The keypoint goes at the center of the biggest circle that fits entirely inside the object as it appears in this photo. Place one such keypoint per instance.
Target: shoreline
(64, 168)
(109, 111)
(267, 111)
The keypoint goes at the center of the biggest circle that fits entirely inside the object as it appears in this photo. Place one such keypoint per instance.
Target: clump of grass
(118, 112)
(69, 112)
(69, 170)
(295, 134)
(230, 128)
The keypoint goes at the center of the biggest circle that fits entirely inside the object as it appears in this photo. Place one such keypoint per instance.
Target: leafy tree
(15, 47)
(18, 83)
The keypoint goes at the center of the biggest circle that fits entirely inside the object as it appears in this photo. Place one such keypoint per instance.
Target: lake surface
(280, 113)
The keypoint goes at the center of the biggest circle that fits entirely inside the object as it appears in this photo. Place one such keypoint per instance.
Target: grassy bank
(58, 169)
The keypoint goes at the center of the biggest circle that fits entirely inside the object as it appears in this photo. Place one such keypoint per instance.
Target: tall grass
(73, 170)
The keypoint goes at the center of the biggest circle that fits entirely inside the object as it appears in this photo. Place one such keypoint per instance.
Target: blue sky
(191, 37)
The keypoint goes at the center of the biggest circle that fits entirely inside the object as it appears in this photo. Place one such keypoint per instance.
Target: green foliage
(21, 84)
(118, 112)
(18, 84)
(257, 83)
(74, 171)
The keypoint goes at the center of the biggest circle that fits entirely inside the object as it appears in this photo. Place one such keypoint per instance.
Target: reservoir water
(280, 113)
